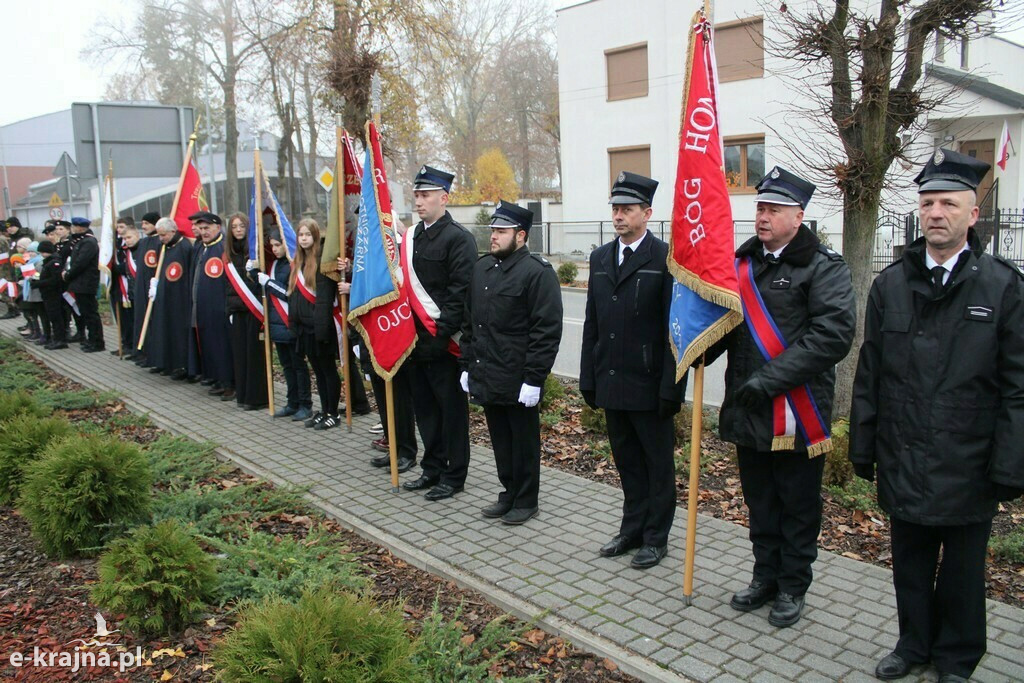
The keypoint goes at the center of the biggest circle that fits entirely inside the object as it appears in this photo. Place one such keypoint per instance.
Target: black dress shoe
(192, 379)
(208, 382)
(93, 348)
(250, 406)
(754, 596)
(404, 464)
(216, 391)
(786, 610)
(517, 516)
(179, 374)
(442, 491)
(381, 461)
(228, 395)
(892, 667)
(951, 678)
(155, 370)
(620, 545)
(648, 556)
(115, 352)
(56, 346)
(496, 510)
(423, 482)
(77, 338)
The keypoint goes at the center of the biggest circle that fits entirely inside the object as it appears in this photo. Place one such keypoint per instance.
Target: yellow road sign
(55, 200)
(326, 179)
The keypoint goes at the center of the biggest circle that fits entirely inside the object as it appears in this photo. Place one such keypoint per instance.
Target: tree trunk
(524, 149)
(859, 225)
(230, 112)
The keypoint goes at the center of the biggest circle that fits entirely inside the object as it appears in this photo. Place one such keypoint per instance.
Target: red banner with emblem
(190, 198)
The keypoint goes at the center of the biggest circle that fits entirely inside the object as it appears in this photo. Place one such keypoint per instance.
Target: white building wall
(773, 105)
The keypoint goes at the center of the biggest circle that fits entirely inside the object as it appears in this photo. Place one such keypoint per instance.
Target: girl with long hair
(311, 296)
(246, 348)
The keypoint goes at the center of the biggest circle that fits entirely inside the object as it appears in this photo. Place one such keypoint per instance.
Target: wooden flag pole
(351, 374)
(174, 210)
(257, 176)
(390, 391)
(691, 504)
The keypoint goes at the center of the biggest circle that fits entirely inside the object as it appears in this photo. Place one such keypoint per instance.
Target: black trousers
(127, 328)
(89, 308)
(442, 414)
(642, 445)
(296, 375)
(405, 419)
(355, 379)
(782, 490)
(323, 359)
(515, 438)
(247, 355)
(941, 606)
(54, 305)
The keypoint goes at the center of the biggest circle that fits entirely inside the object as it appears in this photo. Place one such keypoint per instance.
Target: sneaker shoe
(377, 428)
(327, 422)
(312, 422)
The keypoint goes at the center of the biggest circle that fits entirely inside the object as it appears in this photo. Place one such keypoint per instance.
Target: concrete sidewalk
(548, 570)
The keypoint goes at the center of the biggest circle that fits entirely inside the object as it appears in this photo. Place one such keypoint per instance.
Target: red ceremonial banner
(190, 199)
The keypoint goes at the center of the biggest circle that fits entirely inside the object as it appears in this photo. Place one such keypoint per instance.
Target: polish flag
(28, 270)
(1003, 153)
(5, 257)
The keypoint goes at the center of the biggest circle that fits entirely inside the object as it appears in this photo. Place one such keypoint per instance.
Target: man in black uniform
(443, 254)
(938, 406)
(209, 349)
(66, 241)
(166, 343)
(787, 277)
(82, 277)
(51, 286)
(509, 342)
(627, 368)
(148, 254)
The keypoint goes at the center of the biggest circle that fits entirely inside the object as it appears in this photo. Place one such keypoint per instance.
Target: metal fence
(1001, 231)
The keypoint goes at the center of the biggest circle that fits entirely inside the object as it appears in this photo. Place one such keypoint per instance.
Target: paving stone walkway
(549, 569)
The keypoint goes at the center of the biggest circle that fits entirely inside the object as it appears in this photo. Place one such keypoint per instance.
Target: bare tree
(869, 64)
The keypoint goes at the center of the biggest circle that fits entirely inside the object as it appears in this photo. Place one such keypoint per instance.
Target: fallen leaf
(167, 675)
(211, 622)
(468, 639)
(609, 664)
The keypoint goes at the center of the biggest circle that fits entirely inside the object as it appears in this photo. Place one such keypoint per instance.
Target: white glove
(152, 288)
(252, 265)
(529, 396)
(464, 381)
(263, 278)
(231, 320)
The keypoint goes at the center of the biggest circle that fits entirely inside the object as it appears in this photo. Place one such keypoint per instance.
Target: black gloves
(751, 394)
(667, 409)
(590, 398)
(865, 471)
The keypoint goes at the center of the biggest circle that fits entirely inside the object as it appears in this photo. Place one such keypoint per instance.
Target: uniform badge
(775, 173)
(621, 178)
(939, 157)
(423, 170)
(173, 272)
(982, 313)
(150, 258)
(214, 267)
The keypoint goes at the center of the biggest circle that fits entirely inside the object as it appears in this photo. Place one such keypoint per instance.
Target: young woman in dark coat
(247, 349)
(311, 296)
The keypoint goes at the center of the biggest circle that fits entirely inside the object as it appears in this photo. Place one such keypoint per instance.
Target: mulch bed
(46, 603)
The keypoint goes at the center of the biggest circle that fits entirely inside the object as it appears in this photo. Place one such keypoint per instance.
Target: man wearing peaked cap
(627, 369)
(82, 278)
(938, 417)
(205, 217)
(442, 256)
(510, 338)
(799, 322)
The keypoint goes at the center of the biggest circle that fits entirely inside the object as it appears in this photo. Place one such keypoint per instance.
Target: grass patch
(857, 494)
(17, 374)
(80, 399)
(445, 652)
(263, 565)
(1009, 546)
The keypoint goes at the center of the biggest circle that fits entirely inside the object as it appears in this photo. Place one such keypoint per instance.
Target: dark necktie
(626, 253)
(938, 273)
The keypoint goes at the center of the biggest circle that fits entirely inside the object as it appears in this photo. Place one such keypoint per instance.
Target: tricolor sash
(247, 297)
(425, 308)
(129, 261)
(70, 298)
(280, 305)
(300, 284)
(795, 408)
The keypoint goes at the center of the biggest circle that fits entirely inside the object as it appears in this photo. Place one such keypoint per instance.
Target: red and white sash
(425, 308)
(70, 298)
(796, 408)
(129, 261)
(300, 284)
(280, 305)
(247, 297)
